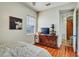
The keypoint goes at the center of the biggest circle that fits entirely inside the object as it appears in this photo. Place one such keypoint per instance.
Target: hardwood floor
(63, 51)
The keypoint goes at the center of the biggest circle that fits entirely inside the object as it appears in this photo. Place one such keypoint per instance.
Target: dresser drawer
(50, 41)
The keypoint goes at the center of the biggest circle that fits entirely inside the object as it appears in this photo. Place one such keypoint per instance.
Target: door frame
(75, 31)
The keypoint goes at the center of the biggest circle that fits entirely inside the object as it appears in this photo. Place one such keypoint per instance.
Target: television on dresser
(45, 30)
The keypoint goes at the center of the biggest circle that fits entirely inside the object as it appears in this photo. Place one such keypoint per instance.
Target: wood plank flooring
(63, 51)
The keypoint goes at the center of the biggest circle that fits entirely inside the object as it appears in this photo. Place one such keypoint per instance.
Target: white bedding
(21, 49)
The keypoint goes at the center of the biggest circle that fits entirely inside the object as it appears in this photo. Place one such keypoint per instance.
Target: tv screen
(45, 30)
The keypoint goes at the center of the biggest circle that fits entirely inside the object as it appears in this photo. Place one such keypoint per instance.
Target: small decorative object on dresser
(53, 32)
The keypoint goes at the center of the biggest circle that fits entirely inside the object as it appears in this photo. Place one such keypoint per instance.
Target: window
(31, 23)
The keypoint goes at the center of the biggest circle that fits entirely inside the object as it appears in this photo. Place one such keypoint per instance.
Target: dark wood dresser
(48, 40)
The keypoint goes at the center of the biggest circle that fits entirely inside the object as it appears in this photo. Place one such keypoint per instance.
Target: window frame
(29, 25)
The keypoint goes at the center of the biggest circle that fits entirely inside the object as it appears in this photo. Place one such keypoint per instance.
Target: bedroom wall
(16, 10)
(52, 16)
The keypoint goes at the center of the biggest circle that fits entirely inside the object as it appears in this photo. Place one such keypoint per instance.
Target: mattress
(21, 49)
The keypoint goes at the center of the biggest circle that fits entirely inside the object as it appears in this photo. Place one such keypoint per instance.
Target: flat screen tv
(45, 30)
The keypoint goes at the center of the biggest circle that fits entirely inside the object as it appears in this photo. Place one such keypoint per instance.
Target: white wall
(15, 10)
(52, 16)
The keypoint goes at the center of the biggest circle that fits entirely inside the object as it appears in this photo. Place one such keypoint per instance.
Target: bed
(21, 49)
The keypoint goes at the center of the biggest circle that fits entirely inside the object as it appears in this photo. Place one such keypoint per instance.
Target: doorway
(69, 28)
(69, 31)
(69, 25)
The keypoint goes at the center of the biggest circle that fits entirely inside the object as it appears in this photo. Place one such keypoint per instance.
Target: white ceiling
(41, 6)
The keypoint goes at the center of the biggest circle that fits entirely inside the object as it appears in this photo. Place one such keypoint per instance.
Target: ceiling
(41, 6)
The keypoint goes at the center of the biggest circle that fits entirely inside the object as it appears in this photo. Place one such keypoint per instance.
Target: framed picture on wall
(15, 23)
